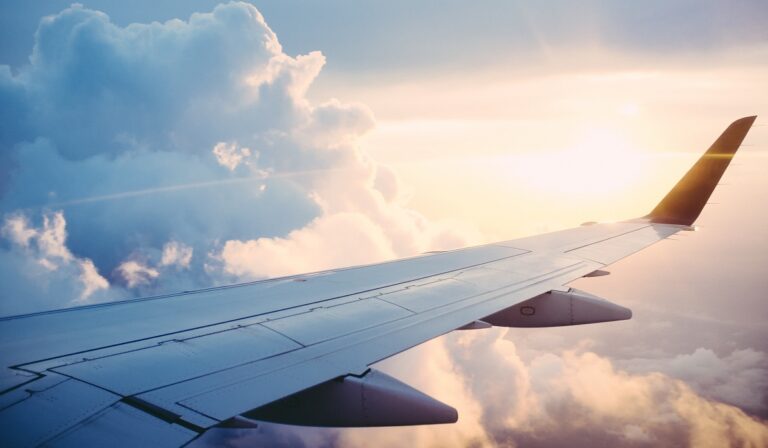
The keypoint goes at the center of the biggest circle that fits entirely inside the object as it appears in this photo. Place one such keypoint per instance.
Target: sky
(158, 147)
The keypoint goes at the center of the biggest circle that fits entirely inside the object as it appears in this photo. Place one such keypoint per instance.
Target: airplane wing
(160, 371)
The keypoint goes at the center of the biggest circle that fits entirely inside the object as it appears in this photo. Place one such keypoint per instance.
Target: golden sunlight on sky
(530, 153)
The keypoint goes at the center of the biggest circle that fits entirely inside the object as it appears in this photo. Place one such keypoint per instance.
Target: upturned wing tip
(683, 204)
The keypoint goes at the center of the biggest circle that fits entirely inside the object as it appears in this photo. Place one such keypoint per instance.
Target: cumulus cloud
(334, 240)
(17, 229)
(176, 254)
(570, 397)
(578, 397)
(133, 273)
(37, 268)
(589, 392)
(230, 155)
(144, 138)
(739, 378)
(91, 279)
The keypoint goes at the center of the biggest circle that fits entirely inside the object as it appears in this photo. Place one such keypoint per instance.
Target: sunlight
(604, 162)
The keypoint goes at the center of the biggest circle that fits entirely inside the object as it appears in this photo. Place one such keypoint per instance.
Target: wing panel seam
(607, 239)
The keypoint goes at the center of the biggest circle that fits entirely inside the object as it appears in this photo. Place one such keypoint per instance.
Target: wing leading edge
(166, 369)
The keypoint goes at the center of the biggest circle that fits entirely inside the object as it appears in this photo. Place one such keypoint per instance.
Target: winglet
(683, 204)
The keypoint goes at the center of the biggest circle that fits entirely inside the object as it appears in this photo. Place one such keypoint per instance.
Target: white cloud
(330, 241)
(176, 254)
(39, 271)
(52, 238)
(578, 397)
(91, 279)
(739, 378)
(16, 228)
(571, 397)
(49, 241)
(134, 273)
(334, 125)
(201, 94)
(230, 155)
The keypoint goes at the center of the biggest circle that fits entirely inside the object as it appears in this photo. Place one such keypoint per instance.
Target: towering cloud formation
(183, 154)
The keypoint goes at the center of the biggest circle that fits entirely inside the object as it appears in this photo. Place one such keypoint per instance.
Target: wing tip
(743, 121)
(751, 118)
(683, 204)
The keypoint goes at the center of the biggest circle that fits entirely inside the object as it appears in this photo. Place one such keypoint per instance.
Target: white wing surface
(160, 371)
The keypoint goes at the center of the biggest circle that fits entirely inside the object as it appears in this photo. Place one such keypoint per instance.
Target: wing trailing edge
(683, 204)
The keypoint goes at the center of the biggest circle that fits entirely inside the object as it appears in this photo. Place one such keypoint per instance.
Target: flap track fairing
(374, 399)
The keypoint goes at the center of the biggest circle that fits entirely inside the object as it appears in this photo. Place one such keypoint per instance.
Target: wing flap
(45, 413)
(122, 425)
(177, 360)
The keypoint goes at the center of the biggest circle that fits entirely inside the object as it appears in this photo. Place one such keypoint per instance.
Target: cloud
(739, 378)
(135, 274)
(38, 271)
(146, 138)
(574, 397)
(91, 279)
(17, 229)
(230, 155)
(176, 254)
(334, 240)
(590, 392)
(569, 397)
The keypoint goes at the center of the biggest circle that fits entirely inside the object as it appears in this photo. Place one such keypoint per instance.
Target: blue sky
(397, 36)
(139, 158)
